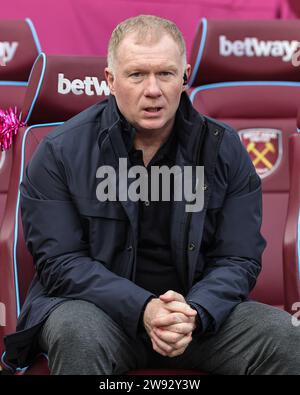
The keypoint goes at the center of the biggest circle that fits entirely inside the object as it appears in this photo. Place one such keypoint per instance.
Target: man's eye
(136, 75)
(165, 73)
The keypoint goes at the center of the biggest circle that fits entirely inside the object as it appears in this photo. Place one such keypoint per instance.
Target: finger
(183, 343)
(171, 319)
(179, 351)
(172, 295)
(167, 336)
(176, 353)
(183, 328)
(165, 347)
(157, 349)
(181, 307)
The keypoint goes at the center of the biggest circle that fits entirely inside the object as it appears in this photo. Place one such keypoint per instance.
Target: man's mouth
(153, 109)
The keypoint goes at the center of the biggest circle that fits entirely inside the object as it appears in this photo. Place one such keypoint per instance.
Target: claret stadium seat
(243, 75)
(51, 99)
(19, 47)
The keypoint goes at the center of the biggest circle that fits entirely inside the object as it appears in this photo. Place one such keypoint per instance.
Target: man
(125, 284)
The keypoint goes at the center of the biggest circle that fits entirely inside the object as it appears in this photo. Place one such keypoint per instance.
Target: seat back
(248, 81)
(19, 47)
(253, 50)
(292, 229)
(45, 107)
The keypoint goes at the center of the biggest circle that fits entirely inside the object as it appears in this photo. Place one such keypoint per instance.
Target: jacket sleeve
(55, 238)
(233, 258)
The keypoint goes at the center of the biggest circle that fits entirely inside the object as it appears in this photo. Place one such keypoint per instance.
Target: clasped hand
(169, 322)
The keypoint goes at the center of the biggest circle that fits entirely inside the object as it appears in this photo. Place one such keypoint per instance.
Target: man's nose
(152, 87)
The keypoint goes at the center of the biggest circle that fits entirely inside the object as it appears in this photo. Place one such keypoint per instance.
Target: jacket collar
(191, 127)
(189, 124)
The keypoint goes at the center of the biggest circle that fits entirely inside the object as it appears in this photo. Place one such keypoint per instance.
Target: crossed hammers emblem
(261, 156)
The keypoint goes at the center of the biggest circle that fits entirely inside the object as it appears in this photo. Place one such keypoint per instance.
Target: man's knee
(75, 324)
(283, 334)
(273, 323)
(75, 338)
(277, 341)
(80, 337)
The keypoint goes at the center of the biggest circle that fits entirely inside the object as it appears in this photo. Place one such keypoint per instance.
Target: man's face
(147, 82)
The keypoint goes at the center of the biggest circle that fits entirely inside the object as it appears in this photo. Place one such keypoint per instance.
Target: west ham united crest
(264, 147)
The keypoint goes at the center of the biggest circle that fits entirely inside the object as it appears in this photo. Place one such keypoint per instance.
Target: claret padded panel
(248, 50)
(264, 115)
(19, 48)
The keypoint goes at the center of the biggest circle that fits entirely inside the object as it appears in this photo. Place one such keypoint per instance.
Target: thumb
(172, 296)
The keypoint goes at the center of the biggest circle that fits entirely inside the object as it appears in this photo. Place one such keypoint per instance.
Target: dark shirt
(155, 270)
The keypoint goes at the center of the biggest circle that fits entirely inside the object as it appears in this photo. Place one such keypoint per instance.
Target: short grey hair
(144, 26)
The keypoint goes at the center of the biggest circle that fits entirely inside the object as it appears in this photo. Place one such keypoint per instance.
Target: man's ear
(187, 73)
(110, 79)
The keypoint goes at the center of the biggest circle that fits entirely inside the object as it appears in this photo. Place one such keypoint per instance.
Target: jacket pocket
(106, 228)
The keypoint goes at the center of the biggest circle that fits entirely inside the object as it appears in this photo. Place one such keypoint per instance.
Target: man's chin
(152, 126)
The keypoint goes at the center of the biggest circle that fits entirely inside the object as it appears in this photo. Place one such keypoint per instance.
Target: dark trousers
(256, 339)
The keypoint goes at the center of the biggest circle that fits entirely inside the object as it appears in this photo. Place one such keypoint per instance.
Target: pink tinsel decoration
(9, 125)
